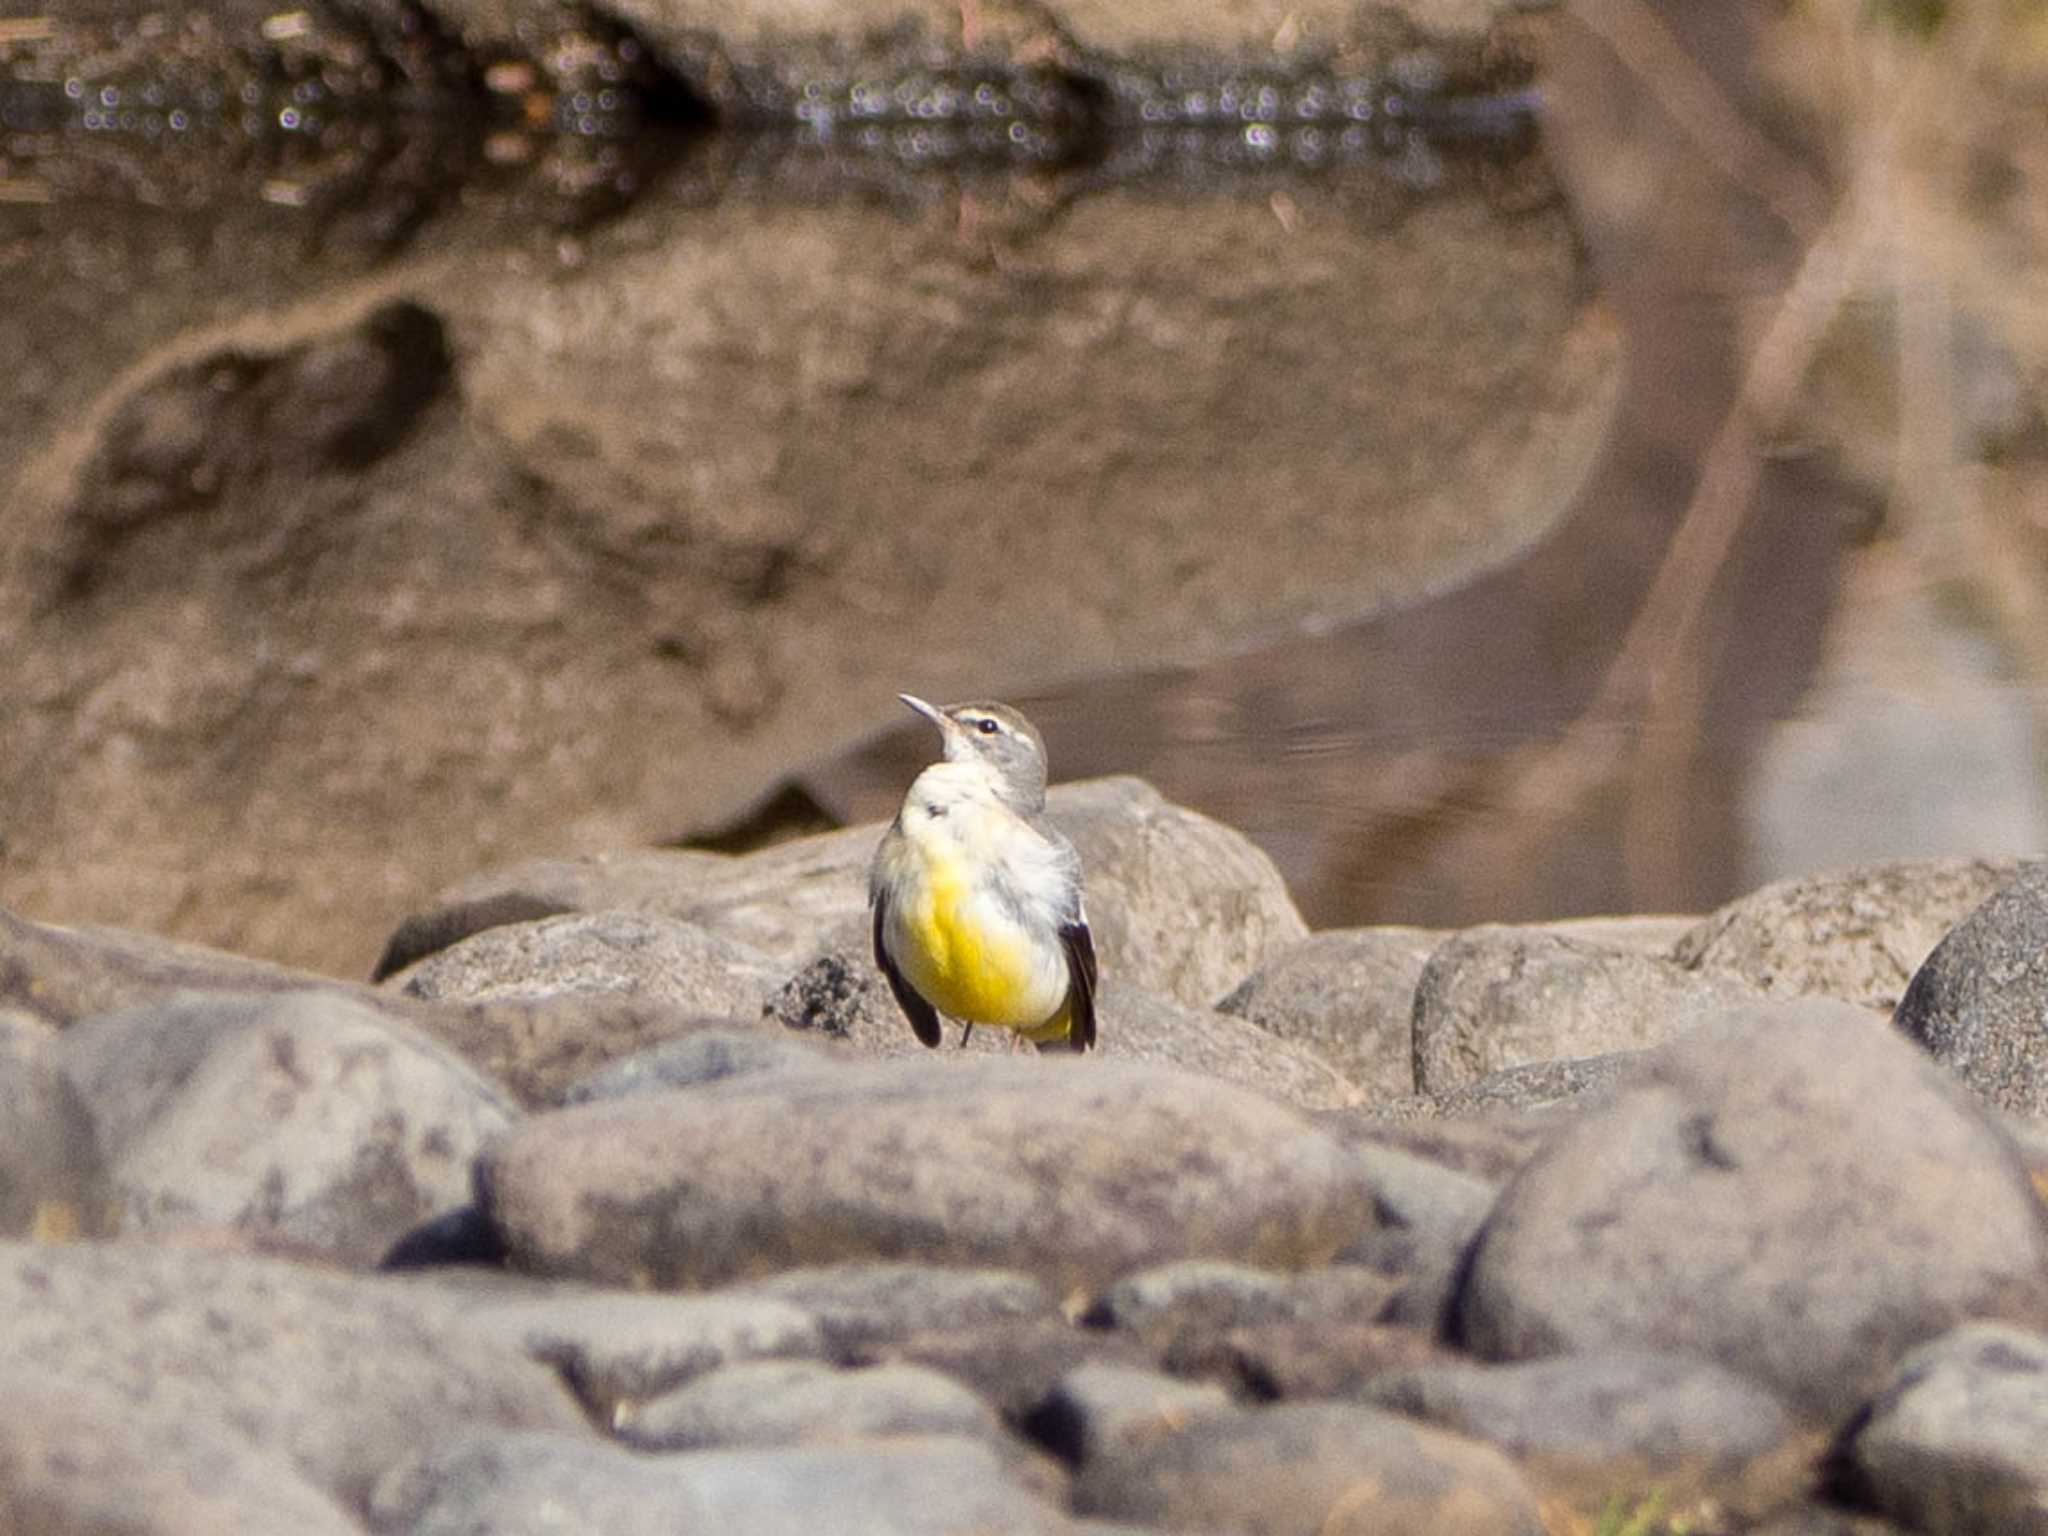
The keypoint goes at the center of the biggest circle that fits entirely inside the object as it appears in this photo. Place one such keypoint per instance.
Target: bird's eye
(986, 726)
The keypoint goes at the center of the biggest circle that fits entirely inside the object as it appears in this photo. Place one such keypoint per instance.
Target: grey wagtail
(977, 898)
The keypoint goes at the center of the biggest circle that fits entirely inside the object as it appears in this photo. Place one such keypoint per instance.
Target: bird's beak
(931, 712)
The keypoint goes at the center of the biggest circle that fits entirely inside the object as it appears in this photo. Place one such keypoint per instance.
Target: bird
(977, 897)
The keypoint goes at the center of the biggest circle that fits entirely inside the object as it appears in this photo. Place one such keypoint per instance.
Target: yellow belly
(970, 959)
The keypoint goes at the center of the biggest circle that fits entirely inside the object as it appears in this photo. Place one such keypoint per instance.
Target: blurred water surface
(1590, 469)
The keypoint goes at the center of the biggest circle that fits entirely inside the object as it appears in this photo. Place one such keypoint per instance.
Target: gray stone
(843, 998)
(302, 1117)
(1789, 1191)
(1494, 997)
(858, 1304)
(1141, 1026)
(1428, 1218)
(332, 1375)
(79, 1461)
(1980, 1001)
(1615, 1415)
(1816, 1519)
(1349, 994)
(792, 1402)
(1644, 933)
(529, 1485)
(1856, 934)
(1011, 1363)
(1297, 1358)
(1207, 1288)
(1490, 1146)
(674, 963)
(53, 1181)
(617, 1348)
(708, 1056)
(1180, 904)
(1075, 1170)
(660, 882)
(61, 974)
(1097, 1408)
(1214, 1296)
(1310, 1468)
(1957, 1442)
(534, 1046)
(1534, 1089)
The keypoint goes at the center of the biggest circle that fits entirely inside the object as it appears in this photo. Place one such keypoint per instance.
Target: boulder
(522, 1484)
(1073, 1170)
(1979, 1001)
(1495, 997)
(1791, 1192)
(1348, 994)
(53, 1179)
(1308, 1468)
(332, 1376)
(1957, 1442)
(1856, 934)
(303, 1118)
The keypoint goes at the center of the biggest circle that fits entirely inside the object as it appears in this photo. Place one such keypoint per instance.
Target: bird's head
(996, 737)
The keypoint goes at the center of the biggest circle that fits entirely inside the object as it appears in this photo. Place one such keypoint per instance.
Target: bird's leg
(966, 1029)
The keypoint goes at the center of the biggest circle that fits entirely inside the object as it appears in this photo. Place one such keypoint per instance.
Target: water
(1295, 425)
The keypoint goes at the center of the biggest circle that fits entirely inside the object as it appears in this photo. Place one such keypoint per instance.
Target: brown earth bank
(629, 1192)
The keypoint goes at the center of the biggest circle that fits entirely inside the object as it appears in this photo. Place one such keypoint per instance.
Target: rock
(1494, 997)
(1348, 994)
(1978, 1001)
(1957, 1442)
(673, 963)
(1180, 905)
(60, 975)
(1857, 934)
(715, 1052)
(1491, 1147)
(523, 1485)
(1210, 1296)
(1536, 1089)
(1815, 1519)
(332, 1375)
(1012, 1363)
(535, 1047)
(539, 1046)
(1099, 1409)
(794, 1402)
(1298, 1358)
(301, 1117)
(53, 1181)
(1428, 1216)
(1310, 1468)
(1076, 1171)
(657, 882)
(1789, 1191)
(857, 1305)
(1597, 1421)
(1141, 1026)
(78, 1461)
(1643, 933)
(616, 1350)
(843, 998)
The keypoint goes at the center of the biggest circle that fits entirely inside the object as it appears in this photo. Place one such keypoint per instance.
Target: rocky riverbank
(623, 1201)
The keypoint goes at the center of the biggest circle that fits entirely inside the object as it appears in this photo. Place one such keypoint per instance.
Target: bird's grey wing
(1079, 944)
(924, 1018)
